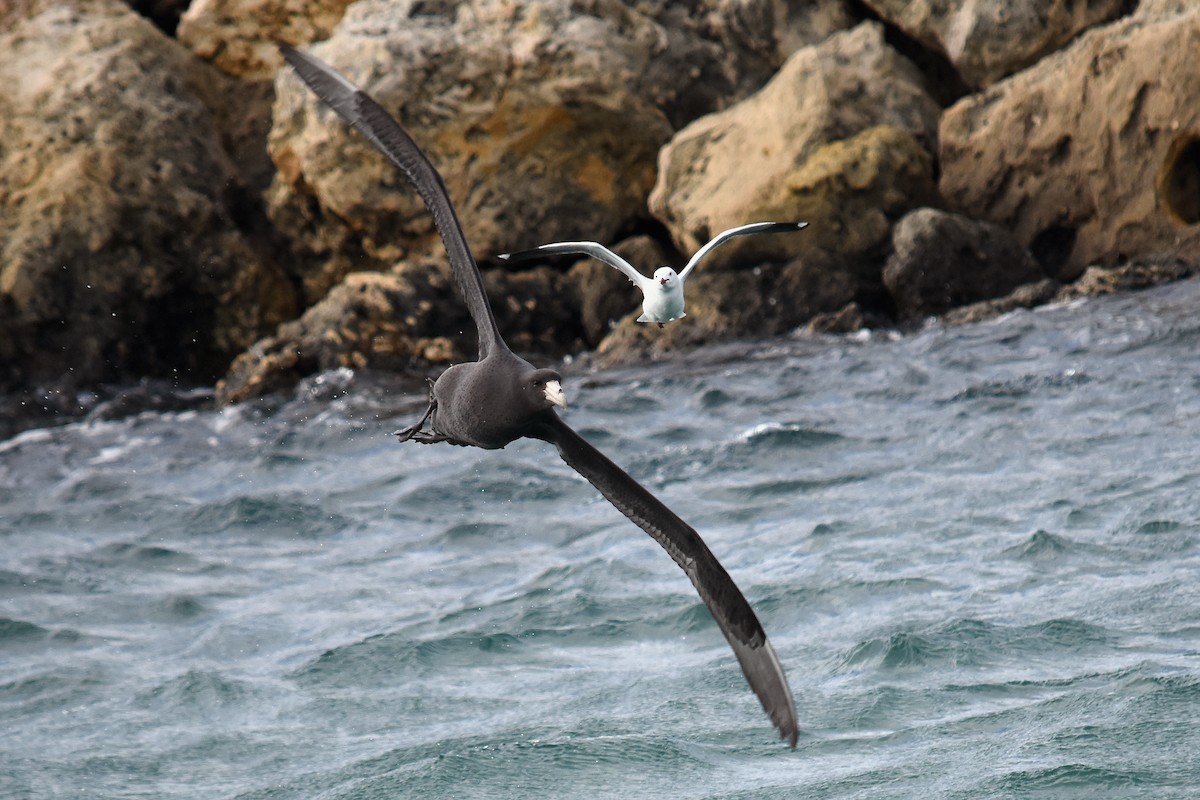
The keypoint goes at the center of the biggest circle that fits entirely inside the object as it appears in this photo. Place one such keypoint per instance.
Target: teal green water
(975, 550)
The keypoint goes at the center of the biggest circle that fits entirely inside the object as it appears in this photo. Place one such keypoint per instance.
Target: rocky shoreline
(176, 210)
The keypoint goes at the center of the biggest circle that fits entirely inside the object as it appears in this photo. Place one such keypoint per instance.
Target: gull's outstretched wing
(597, 251)
(368, 117)
(718, 591)
(741, 230)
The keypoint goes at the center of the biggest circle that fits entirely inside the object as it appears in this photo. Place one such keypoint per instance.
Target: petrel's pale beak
(554, 394)
(663, 281)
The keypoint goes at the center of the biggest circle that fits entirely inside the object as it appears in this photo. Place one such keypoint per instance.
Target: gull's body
(662, 293)
(501, 397)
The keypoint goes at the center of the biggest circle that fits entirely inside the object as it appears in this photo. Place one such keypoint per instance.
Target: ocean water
(974, 548)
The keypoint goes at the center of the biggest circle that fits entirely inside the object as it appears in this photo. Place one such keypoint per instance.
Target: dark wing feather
(718, 591)
(368, 117)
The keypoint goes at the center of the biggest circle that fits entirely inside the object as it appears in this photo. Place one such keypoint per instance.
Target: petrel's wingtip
(290, 54)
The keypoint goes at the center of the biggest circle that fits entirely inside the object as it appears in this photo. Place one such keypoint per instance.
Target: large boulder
(123, 252)
(941, 260)
(853, 191)
(987, 41)
(1091, 156)
(762, 158)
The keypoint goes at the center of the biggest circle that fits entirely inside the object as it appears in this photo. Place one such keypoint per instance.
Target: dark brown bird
(501, 397)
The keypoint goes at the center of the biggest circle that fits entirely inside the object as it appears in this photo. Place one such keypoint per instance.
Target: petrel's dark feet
(411, 431)
(414, 431)
(426, 437)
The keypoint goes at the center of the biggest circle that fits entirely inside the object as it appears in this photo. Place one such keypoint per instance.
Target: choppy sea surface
(975, 550)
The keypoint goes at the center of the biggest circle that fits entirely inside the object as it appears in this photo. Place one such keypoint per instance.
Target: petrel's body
(501, 397)
(662, 294)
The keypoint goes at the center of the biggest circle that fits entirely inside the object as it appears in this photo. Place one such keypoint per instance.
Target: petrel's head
(666, 277)
(544, 388)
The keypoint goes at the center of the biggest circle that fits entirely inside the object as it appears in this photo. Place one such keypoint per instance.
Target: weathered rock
(242, 36)
(370, 319)
(802, 24)
(120, 251)
(535, 312)
(763, 157)
(1096, 281)
(987, 41)
(847, 319)
(544, 119)
(1027, 296)
(403, 321)
(1092, 155)
(941, 260)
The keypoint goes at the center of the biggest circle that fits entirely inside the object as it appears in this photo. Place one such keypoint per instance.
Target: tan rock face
(986, 41)
(1093, 181)
(119, 252)
(852, 191)
(770, 29)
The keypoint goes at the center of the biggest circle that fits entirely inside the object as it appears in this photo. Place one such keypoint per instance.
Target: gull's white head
(666, 277)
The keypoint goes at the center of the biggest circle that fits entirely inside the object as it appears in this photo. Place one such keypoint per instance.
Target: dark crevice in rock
(942, 79)
(164, 14)
(1052, 247)
(1179, 182)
